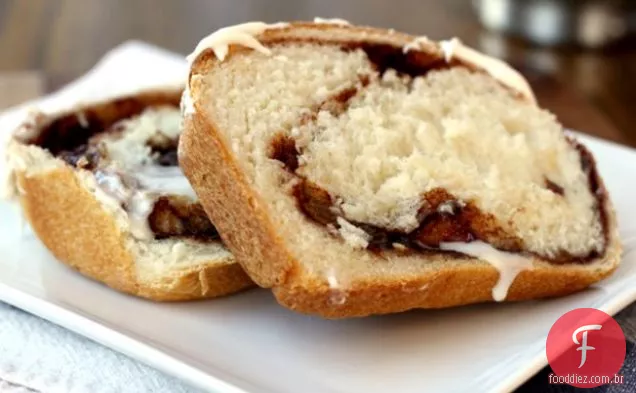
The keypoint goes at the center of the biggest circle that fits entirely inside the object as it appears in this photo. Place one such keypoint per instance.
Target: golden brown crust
(450, 287)
(68, 219)
(242, 210)
(246, 228)
(79, 232)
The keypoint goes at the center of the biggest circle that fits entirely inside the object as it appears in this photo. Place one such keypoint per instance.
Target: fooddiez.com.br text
(570, 379)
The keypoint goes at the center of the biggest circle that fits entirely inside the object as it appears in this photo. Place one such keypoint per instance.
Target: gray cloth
(42, 357)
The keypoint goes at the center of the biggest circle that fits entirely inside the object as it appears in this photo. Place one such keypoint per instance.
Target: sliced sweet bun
(78, 177)
(360, 171)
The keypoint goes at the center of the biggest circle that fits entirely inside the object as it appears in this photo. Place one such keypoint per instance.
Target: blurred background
(579, 55)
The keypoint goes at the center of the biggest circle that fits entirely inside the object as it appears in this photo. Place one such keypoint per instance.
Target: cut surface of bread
(101, 188)
(360, 171)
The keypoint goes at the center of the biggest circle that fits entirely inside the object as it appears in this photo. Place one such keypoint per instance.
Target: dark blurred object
(586, 23)
(590, 91)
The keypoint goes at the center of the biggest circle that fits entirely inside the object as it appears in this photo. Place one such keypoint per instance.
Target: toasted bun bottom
(77, 230)
(467, 283)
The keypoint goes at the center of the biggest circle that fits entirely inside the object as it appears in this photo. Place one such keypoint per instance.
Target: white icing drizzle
(139, 192)
(139, 207)
(416, 44)
(508, 264)
(112, 183)
(187, 102)
(352, 235)
(446, 208)
(81, 119)
(178, 252)
(10, 187)
(164, 180)
(138, 204)
(448, 48)
(243, 34)
(337, 295)
(497, 68)
(332, 281)
(132, 179)
(29, 128)
(331, 21)
(399, 246)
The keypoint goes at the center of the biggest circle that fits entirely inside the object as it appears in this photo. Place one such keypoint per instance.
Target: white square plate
(247, 343)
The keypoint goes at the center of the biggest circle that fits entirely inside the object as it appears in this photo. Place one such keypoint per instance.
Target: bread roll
(101, 187)
(360, 171)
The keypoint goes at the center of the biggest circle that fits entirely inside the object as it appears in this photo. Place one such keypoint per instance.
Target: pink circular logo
(585, 348)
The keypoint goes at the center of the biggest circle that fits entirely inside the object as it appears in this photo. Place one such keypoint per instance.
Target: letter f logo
(584, 347)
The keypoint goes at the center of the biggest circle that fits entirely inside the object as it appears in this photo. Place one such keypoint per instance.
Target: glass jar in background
(586, 23)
